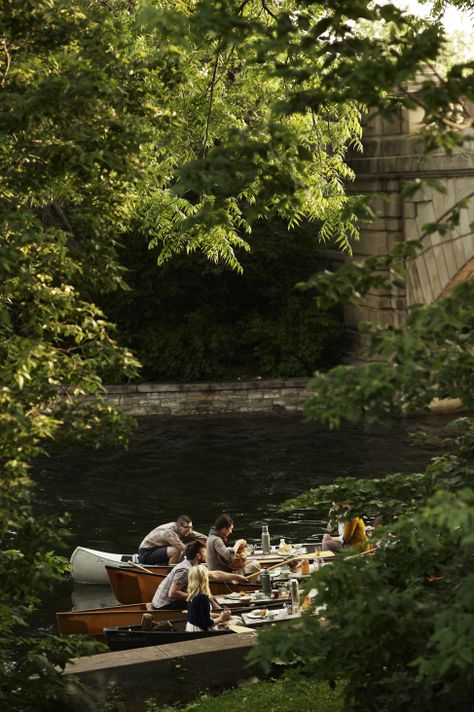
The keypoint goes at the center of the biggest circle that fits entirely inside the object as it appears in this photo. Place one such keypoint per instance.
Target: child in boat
(200, 617)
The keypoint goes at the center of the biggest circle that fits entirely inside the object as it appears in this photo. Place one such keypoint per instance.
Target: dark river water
(246, 466)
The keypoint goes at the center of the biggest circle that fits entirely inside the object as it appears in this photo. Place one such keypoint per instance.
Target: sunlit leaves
(71, 129)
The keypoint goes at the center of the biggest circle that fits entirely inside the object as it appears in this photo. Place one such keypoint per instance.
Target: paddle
(139, 566)
(312, 555)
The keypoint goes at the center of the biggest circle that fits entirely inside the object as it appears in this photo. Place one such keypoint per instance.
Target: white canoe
(88, 565)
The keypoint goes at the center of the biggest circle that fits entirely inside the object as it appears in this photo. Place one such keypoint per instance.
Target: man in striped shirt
(172, 591)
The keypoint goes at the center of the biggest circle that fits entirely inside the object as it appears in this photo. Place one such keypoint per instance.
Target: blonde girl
(199, 602)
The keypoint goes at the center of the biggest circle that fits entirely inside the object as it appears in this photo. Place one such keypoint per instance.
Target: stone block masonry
(167, 674)
(257, 396)
(393, 156)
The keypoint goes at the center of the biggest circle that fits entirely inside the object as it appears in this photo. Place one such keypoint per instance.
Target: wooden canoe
(138, 586)
(88, 565)
(128, 637)
(92, 621)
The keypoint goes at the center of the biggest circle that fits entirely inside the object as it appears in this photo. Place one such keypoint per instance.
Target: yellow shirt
(354, 532)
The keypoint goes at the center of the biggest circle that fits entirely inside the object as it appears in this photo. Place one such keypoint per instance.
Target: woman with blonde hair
(200, 617)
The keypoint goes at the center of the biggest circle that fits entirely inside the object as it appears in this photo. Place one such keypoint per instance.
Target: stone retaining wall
(269, 396)
(167, 673)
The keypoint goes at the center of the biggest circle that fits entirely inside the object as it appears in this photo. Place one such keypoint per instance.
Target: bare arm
(193, 534)
(176, 592)
(226, 576)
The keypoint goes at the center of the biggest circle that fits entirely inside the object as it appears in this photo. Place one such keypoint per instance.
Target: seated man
(219, 556)
(164, 545)
(172, 592)
(350, 532)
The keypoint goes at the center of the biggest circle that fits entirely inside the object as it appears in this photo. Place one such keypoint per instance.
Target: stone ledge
(208, 386)
(169, 673)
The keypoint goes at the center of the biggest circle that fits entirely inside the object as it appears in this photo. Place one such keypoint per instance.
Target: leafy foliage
(236, 157)
(415, 368)
(202, 118)
(400, 620)
(70, 141)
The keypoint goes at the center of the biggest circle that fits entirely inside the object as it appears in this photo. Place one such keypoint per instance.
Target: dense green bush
(397, 625)
(401, 620)
(190, 319)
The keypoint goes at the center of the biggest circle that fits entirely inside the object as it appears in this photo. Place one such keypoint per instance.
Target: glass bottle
(265, 539)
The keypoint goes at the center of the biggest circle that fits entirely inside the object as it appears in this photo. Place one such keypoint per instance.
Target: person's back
(354, 532)
(199, 613)
(200, 618)
(177, 577)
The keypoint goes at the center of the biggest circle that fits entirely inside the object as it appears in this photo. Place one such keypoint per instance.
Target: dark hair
(224, 521)
(183, 519)
(193, 549)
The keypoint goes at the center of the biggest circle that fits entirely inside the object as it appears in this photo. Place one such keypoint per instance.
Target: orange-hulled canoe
(138, 586)
(93, 621)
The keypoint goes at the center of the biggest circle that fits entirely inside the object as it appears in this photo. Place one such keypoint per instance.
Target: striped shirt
(179, 576)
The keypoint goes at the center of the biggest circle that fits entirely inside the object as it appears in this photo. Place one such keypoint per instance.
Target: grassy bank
(283, 695)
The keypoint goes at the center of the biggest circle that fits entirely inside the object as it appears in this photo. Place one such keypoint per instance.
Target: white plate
(256, 616)
(233, 596)
(300, 550)
(275, 573)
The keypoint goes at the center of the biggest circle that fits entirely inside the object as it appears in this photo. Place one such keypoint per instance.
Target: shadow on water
(244, 465)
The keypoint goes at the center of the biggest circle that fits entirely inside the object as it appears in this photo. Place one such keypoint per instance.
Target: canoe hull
(93, 621)
(127, 638)
(135, 586)
(88, 565)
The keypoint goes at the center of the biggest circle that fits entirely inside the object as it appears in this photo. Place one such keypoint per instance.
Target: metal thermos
(266, 583)
(295, 596)
(265, 539)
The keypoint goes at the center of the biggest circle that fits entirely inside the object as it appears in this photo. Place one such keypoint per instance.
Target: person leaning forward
(172, 591)
(219, 556)
(164, 545)
(350, 531)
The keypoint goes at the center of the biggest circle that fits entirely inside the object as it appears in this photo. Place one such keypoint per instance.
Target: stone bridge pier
(393, 155)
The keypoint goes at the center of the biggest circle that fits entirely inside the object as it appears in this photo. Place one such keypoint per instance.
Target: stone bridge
(393, 155)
